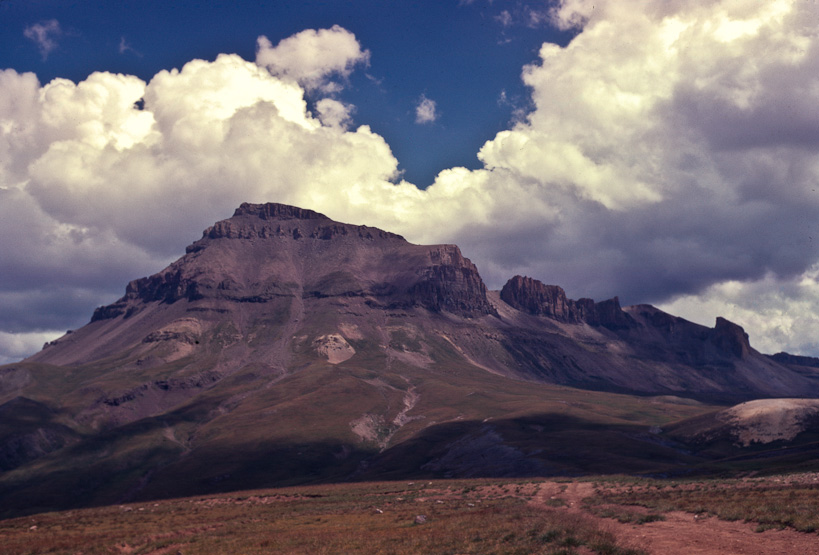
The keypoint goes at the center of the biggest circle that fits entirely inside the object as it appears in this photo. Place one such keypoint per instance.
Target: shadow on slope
(142, 461)
(139, 462)
(29, 430)
(549, 444)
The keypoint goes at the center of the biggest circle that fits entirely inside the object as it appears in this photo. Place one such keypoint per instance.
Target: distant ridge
(786, 358)
(532, 296)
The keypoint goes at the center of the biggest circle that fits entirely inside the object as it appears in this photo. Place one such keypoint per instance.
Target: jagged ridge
(534, 297)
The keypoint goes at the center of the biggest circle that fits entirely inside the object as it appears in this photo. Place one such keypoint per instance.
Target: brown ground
(685, 533)
(338, 517)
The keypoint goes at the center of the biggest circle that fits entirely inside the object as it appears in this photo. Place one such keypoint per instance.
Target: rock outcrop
(451, 284)
(276, 211)
(534, 297)
(730, 338)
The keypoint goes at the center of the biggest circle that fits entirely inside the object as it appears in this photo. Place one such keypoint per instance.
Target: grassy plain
(771, 502)
(450, 516)
(476, 516)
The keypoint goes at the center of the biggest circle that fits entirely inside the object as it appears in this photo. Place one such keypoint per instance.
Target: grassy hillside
(340, 422)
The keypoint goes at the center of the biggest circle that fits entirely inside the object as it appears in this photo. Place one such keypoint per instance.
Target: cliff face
(314, 257)
(730, 338)
(532, 296)
(451, 284)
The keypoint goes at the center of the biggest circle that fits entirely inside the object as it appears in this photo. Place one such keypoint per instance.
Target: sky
(664, 151)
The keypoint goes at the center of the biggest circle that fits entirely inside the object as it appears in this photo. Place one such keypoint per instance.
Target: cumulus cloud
(675, 146)
(334, 113)
(425, 110)
(313, 57)
(107, 179)
(780, 313)
(669, 157)
(44, 35)
(671, 149)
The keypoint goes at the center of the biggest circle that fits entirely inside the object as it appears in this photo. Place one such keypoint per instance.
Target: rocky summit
(285, 347)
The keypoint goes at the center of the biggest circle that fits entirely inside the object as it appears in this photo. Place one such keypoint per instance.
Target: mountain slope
(274, 281)
(285, 347)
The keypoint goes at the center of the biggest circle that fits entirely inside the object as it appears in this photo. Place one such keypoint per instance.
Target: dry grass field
(612, 516)
(406, 517)
(771, 503)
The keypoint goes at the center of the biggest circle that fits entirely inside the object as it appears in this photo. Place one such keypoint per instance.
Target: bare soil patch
(686, 533)
(683, 533)
(768, 420)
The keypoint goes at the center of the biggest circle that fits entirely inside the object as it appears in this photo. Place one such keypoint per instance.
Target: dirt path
(685, 533)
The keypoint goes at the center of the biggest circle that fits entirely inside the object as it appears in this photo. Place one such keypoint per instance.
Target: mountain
(285, 347)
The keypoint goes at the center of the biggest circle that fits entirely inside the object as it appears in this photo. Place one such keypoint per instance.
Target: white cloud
(670, 154)
(504, 18)
(538, 16)
(96, 190)
(781, 314)
(15, 346)
(125, 47)
(212, 133)
(44, 35)
(334, 113)
(675, 144)
(313, 57)
(425, 110)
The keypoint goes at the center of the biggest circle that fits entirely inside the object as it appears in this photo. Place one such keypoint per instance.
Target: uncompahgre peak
(284, 347)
